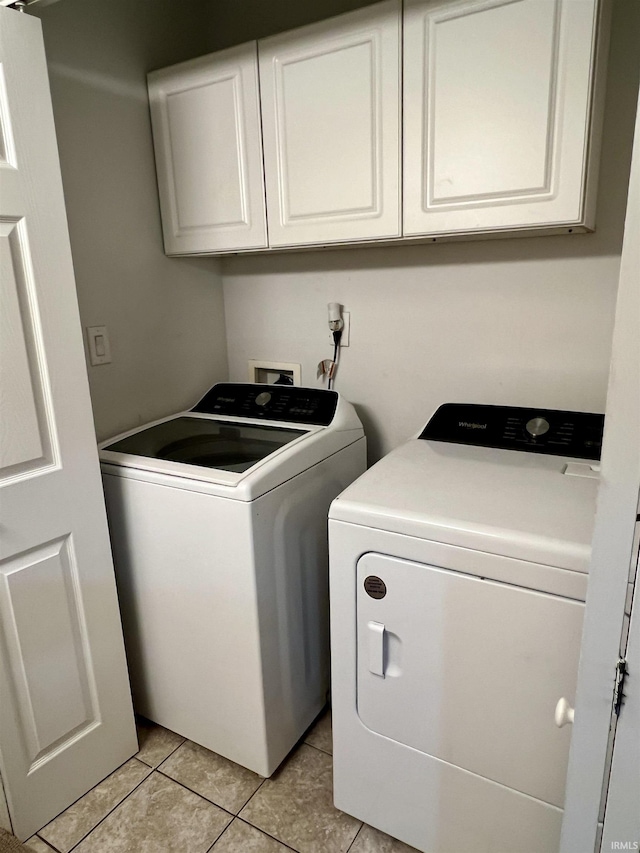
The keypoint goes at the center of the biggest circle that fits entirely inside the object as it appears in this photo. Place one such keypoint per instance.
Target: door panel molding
(28, 444)
(47, 648)
(501, 116)
(544, 187)
(8, 157)
(205, 116)
(330, 95)
(369, 207)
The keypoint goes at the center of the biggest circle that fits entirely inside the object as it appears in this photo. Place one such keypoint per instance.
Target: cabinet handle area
(376, 648)
(564, 713)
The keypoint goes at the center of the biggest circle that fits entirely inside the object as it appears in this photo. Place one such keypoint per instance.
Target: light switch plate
(99, 346)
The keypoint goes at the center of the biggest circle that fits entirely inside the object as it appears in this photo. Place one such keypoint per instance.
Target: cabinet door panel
(497, 109)
(206, 129)
(330, 104)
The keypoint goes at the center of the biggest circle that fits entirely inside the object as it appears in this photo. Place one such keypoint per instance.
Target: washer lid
(234, 455)
(208, 443)
(526, 506)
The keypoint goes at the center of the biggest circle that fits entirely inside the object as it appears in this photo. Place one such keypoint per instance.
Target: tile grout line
(233, 816)
(252, 796)
(222, 808)
(330, 754)
(119, 803)
(164, 775)
(156, 769)
(191, 791)
(167, 757)
(148, 776)
(220, 836)
(75, 802)
(319, 748)
(355, 837)
(49, 846)
(111, 811)
(262, 831)
(48, 843)
(268, 834)
(197, 793)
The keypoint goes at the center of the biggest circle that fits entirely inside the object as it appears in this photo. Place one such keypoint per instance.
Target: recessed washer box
(268, 372)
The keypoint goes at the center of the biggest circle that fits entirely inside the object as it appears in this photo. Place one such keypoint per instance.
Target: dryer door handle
(376, 648)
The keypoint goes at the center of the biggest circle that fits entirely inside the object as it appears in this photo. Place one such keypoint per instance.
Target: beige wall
(164, 316)
(235, 21)
(522, 321)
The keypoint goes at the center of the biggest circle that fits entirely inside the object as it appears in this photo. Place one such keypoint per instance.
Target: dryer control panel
(313, 406)
(552, 431)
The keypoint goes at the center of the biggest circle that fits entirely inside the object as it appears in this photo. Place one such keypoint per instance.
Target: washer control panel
(560, 433)
(312, 406)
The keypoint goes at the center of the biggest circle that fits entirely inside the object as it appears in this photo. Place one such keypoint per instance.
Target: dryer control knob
(537, 426)
(263, 398)
(564, 713)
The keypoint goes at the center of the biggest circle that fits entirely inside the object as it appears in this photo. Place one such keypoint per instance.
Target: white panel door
(206, 132)
(622, 816)
(5, 820)
(613, 543)
(469, 671)
(330, 115)
(65, 710)
(497, 106)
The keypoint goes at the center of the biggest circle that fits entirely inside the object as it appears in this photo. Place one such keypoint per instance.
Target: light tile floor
(177, 797)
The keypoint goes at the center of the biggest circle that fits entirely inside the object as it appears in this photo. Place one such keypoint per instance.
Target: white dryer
(218, 520)
(458, 574)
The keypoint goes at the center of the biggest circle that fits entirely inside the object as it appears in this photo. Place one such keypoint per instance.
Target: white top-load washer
(218, 520)
(458, 570)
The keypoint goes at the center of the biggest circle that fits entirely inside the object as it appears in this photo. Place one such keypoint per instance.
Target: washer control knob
(537, 426)
(263, 398)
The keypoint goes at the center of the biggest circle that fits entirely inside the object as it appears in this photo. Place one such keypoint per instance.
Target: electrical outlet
(346, 319)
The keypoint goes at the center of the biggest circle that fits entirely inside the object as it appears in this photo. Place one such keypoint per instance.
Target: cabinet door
(497, 105)
(330, 113)
(206, 132)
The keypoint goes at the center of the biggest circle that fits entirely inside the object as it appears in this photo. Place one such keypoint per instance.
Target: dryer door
(468, 670)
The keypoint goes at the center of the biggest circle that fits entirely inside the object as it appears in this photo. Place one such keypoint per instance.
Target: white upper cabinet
(331, 128)
(501, 105)
(498, 102)
(206, 130)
